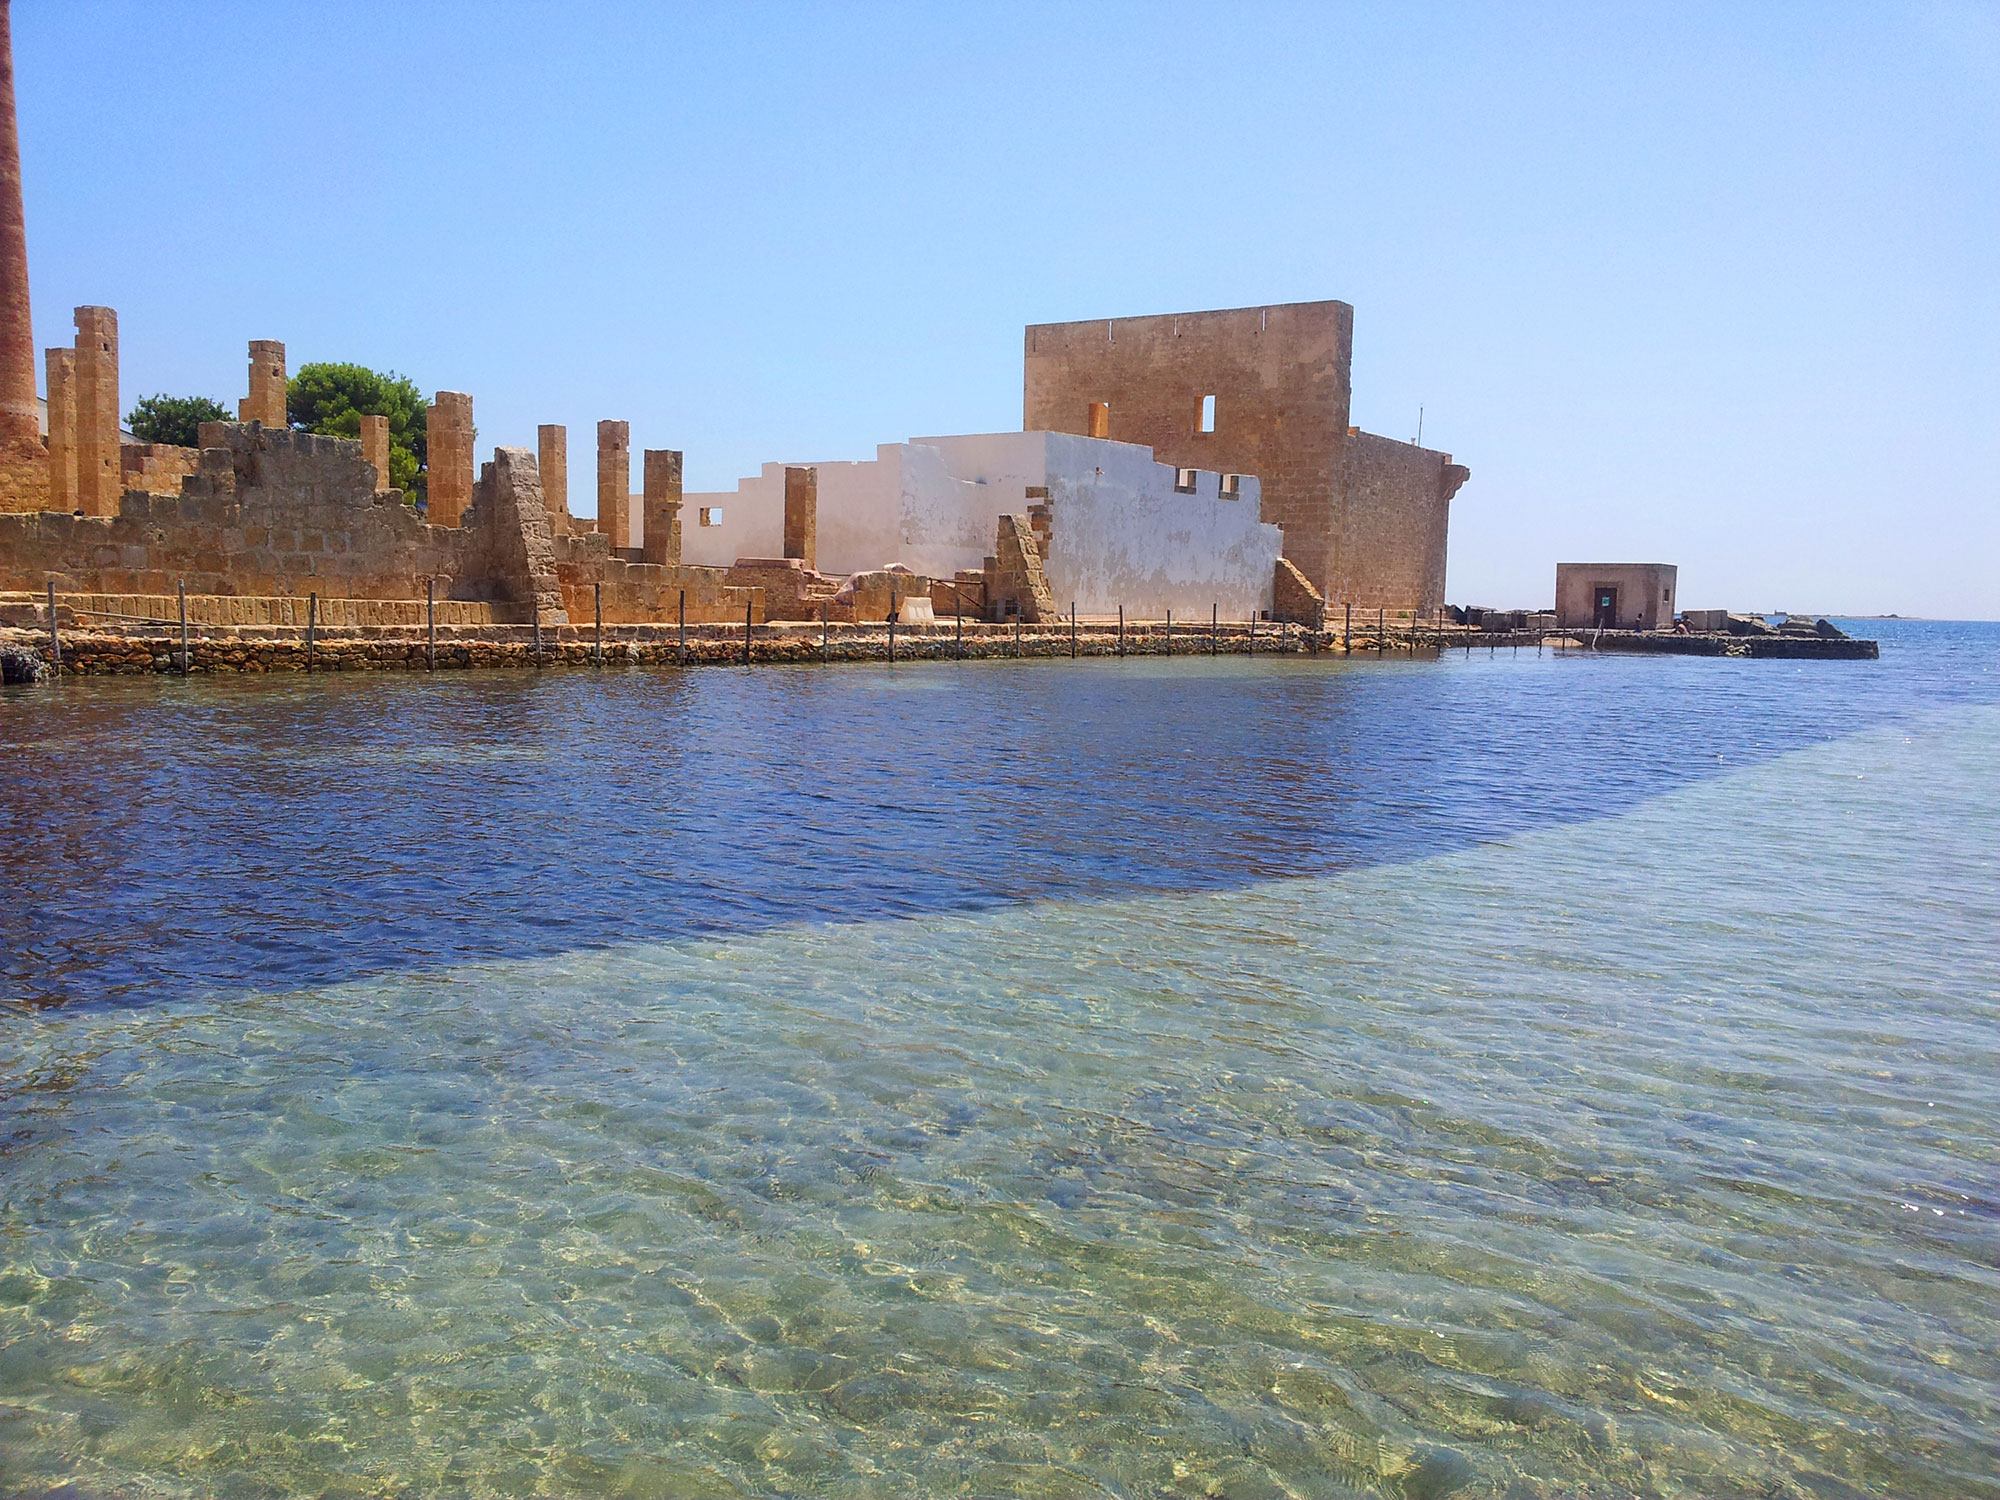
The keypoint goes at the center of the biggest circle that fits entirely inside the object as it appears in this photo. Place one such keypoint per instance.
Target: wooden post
(892, 624)
(1170, 632)
(1072, 630)
(958, 623)
(822, 632)
(597, 645)
(1121, 630)
(55, 635)
(1017, 634)
(1380, 647)
(1253, 632)
(184, 626)
(431, 619)
(681, 651)
(1347, 632)
(749, 606)
(538, 632)
(312, 629)
(1214, 628)
(1319, 612)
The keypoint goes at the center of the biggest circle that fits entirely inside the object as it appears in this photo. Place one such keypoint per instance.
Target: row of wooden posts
(597, 645)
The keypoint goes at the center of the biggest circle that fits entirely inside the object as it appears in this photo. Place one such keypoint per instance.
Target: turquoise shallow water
(1651, 1152)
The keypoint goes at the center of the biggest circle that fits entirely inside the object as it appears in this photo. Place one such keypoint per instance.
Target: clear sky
(1712, 284)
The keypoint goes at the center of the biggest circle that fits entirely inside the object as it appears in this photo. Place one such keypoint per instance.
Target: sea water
(1498, 1075)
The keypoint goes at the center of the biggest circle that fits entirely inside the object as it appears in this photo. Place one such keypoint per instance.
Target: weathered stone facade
(662, 479)
(802, 514)
(552, 458)
(99, 469)
(266, 401)
(448, 461)
(62, 429)
(1261, 391)
(614, 482)
(375, 447)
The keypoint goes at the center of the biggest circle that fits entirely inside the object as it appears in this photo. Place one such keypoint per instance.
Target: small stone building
(1615, 596)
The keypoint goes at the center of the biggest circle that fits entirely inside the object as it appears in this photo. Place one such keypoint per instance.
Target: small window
(711, 515)
(1184, 481)
(1232, 486)
(1208, 413)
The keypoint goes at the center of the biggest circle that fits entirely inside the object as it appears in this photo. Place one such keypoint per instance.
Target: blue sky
(1710, 284)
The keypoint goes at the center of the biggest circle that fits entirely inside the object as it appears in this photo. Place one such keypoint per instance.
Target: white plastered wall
(1121, 533)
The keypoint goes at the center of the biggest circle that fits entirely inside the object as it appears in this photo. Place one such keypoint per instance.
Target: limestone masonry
(1192, 467)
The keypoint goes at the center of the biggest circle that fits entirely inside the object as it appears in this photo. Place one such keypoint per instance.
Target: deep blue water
(172, 837)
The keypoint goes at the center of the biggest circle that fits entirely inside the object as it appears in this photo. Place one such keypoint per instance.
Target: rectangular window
(711, 515)
(1208, 413)
(1184, 481)
(1232, 486)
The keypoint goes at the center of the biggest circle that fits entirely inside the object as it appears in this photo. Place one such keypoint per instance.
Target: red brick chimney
(18, 420)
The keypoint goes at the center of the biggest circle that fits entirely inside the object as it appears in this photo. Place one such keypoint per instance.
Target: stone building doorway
(1604, 606)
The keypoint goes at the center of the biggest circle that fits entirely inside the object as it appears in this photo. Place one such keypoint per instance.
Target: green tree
(174, 419)
(333, 398)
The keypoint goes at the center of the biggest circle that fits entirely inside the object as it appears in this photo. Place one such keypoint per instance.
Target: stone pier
(614, 482)
(99, 465)
(802, 514)
(375, 448)
(449, 436)
(663, 506)
(62, 429)
(266, 401)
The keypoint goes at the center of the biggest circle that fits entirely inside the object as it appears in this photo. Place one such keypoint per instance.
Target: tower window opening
(1208, 413)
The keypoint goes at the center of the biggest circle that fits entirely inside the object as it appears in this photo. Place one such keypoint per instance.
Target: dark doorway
(1604, 607)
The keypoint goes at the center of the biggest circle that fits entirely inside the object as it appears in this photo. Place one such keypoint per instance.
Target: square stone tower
(1263, 391)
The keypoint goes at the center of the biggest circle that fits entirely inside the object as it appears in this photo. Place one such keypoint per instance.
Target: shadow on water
(170, 837)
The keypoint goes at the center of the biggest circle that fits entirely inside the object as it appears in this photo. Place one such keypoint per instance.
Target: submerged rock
(19, 664)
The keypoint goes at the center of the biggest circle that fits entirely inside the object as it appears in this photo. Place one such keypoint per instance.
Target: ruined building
(1263, 391)
(1195, 465)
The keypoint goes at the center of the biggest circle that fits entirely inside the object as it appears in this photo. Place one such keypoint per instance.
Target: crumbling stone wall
(273, 513)
(1016, 583)
(157, 468)
(1293, 597)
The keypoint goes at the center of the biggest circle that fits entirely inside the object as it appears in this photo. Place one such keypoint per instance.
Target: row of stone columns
(660, 500)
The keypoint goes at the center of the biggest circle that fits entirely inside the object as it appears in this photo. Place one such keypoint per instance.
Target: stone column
(663, 507)
(100, 476)
(552, 457)
(62, 429)
(1100, 419)
(18, 420)
(448, 435)
(375, 448)
(614, 482)
(802, 515)
(266, 401)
